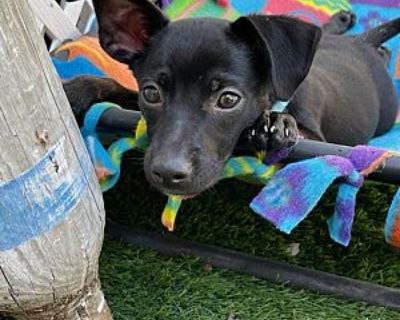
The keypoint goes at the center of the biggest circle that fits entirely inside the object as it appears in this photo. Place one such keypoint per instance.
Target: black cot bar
(120, 120)
(271, 270)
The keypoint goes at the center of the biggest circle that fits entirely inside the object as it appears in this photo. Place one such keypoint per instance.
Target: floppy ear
(125, 26)
(286, 45)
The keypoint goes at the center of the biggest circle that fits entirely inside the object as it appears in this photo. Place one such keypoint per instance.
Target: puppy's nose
(171, 172)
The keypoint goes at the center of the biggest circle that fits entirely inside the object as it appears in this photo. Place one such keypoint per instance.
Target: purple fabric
(363, 156)
(165, 3)
(295, 190)
(277, 156)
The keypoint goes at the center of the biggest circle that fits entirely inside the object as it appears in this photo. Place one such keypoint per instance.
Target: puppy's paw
(346, 19)
(272, 131)
(81, 93)
(257, 135)
(283, 132)
(340, 22)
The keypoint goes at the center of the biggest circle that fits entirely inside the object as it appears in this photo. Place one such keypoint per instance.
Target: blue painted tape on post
(40, 198)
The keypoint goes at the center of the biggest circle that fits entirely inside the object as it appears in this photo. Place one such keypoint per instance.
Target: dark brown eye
(228, 100)
(152, 95)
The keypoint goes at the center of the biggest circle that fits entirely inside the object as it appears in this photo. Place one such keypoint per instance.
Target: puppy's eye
(152, 94)
(228, 100)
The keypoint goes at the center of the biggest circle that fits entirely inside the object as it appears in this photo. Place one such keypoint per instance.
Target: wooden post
(51, 208)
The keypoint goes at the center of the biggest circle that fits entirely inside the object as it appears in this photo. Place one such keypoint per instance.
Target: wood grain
(57, 23)
(55, 275)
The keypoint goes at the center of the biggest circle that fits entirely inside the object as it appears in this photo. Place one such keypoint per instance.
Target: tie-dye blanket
(370, 13)
(290, 195)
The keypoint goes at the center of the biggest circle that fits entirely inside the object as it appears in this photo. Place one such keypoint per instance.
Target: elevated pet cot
(350, 164)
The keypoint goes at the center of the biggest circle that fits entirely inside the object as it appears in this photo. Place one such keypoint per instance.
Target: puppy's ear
(286, 45)
(125, 26)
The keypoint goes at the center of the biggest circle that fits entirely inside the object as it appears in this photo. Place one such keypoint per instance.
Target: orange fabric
(395, 240)
(377, 163)
(89, 47)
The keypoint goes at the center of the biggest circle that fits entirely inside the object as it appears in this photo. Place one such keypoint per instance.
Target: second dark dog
(204, 81)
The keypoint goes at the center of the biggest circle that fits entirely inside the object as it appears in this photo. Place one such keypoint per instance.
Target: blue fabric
(76, 67)
(296, 189)
(98, 154)
(246, 6)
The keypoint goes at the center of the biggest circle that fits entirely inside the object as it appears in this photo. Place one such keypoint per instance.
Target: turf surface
(141, 284)
(144, 285)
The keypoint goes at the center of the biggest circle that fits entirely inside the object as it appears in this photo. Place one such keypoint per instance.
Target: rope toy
(107, 163)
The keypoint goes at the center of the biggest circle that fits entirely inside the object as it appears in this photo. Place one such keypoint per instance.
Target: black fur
(338, 86)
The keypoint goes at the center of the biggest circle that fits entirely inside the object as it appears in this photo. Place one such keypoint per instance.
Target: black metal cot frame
(120, 120)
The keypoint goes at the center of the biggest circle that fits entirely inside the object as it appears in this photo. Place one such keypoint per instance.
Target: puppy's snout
(171, 173)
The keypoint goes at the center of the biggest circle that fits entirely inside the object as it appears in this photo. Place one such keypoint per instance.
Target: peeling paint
(40, 198)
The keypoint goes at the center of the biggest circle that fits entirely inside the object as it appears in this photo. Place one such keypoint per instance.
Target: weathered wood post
(51, 208)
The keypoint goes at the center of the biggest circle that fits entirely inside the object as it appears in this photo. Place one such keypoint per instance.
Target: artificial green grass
(141, 284)
(144, 285)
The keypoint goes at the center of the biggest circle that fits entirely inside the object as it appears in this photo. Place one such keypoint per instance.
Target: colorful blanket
(370, 13)
(291, 193)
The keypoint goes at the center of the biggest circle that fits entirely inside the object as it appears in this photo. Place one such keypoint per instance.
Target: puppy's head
(202, 82)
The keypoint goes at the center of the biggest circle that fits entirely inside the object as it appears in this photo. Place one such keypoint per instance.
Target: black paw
(283, 131)
(340, 22)
(273, 131)
(256, 136)
(81, 95)
(344, 20)
(84, 91)
(347, 18)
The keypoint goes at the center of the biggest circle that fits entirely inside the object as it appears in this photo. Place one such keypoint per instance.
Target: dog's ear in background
(285, 46)
(126, 26)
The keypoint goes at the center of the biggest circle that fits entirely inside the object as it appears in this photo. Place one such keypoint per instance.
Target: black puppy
(204, 81)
